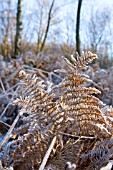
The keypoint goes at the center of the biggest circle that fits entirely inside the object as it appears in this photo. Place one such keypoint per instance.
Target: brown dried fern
(43, 121)
(98, 158)
(75, 111)
(81, 107)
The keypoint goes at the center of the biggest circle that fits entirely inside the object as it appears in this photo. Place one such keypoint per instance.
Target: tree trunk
(78, 27)
(18, 38)
(48, 25)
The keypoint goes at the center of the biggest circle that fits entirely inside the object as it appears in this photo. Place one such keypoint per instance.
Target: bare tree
(5, 39)
(40, 18)
(48, 24)
(7, 26)
(45, 21)
(18, 38)
(78, 26)
(98, 26)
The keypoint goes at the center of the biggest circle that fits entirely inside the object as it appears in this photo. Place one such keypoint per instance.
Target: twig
(9, 102)
(44, 161)
(14, 74)
(78, 137)
(4, 95)
(3, 88)
(8, 134)
(77, 140)
(4, 124)
(40, 70)
(6, 92)
(12, 87)
(6, 108)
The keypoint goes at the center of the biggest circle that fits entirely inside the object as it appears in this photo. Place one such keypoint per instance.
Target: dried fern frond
(27, 151)
(75, 111)
(81, 107)
(44, 117)
(81, 61)
(98, 158)
(84, 59)
(72, 152)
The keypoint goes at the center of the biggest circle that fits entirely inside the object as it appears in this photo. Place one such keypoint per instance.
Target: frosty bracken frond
(75, 111)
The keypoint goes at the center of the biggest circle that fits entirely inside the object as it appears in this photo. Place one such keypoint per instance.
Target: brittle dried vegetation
(55, 113)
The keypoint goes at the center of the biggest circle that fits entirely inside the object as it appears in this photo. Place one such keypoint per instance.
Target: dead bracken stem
(44, 161)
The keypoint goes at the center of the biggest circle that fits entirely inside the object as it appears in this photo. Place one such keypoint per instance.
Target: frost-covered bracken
(70, 112)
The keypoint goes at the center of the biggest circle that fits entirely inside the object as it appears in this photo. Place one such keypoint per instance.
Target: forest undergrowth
(55, 113)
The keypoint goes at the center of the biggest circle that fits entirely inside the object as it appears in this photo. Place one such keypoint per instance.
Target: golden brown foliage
(69, 111)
